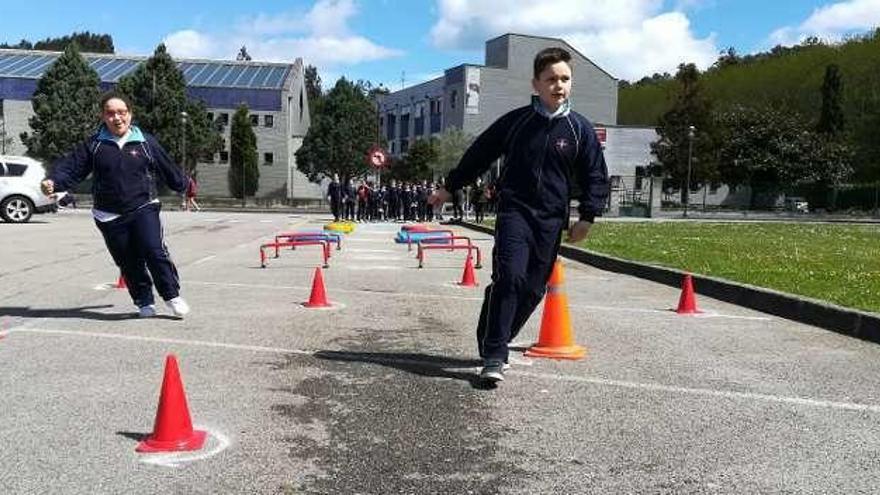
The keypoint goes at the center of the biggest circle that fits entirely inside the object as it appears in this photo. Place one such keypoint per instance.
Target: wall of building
(288, 108)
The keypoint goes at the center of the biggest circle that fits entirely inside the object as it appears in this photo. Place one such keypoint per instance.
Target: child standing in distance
(546, 148)
(124, 163)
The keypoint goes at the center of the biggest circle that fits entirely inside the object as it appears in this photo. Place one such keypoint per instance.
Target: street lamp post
(183, 120)
(687, 191)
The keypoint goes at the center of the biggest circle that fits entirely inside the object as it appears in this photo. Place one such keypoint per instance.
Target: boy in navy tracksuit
(124, 163)
(547, 149)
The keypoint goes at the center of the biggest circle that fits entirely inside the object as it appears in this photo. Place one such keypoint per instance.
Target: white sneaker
(178, 306)
(147, 311)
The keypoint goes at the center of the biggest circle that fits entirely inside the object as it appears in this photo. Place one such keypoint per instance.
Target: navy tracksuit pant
(136, 243)
(526, 246)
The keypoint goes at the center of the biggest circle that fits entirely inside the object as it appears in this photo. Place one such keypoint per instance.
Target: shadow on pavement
(81, 312)
(416, 363)
(131, 435)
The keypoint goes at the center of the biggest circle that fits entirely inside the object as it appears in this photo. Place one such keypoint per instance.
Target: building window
(255, 120)
(210, 116)
(224, 119)
(453, 98)
(268, 158)
(268, 121)
(208, 157)
(224, 157)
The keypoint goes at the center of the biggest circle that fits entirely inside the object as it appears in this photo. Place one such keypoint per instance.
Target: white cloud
(628, 38)
(832, 22)
(320, 36)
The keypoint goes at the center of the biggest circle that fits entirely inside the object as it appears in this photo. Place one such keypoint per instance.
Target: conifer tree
(65, 107)
(243, 155)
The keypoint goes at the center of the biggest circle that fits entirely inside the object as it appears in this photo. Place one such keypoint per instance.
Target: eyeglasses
(111, 113)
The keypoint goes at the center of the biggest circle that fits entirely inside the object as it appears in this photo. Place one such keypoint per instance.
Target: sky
(399, 43)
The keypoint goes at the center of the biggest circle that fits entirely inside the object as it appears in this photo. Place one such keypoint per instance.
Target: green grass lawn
(831, 262)
(835, 263)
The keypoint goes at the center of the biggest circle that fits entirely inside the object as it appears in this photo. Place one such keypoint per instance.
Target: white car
(20, 195)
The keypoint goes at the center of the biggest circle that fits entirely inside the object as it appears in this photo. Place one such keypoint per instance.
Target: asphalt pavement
(379, 394)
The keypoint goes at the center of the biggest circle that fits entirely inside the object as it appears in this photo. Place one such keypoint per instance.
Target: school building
(274, 93)
(470, 97)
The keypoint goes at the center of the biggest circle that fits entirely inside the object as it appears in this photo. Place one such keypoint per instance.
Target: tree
(243, 155)
(831, 120)
(450, 147)
(65, 107)
(5, 138)
(340, 135)
(417, 163)
(313, 89)
(774, 151)
(86, 41)
(243, 55)
(158, 92)
(673, 149)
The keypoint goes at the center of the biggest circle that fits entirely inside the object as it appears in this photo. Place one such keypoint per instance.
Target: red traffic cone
(468, 279)
(120, 282)
(318, 298)
(687, 303)
(173, 430)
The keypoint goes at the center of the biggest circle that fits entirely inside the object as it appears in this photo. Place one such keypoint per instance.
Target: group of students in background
(403, 201)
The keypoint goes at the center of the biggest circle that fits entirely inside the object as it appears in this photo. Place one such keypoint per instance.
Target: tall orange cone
(120, 282)
(468, 279)
(173, 430)
(318, 298)
(687, 303)
(556, 339)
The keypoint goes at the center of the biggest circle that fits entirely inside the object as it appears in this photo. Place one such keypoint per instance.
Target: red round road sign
(377, 157)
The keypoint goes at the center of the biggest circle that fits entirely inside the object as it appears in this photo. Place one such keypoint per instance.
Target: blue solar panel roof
(206, 73)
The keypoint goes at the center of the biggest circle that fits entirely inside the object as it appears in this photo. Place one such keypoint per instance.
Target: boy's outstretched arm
(487, 148)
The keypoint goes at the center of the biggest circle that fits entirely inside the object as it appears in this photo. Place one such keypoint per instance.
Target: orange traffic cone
(468, 279)
(556, 339)
(687, 303)
(120, 282)
(318, 298)
(173, 430)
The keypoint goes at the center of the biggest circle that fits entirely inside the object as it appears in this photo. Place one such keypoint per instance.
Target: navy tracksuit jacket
(124, 183)
(544, 159)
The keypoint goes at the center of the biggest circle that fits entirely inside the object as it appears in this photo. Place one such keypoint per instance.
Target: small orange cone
(120, 282)
(468, 278)
(556, 339)
(318, 298)
(173, 430)
(687, 303)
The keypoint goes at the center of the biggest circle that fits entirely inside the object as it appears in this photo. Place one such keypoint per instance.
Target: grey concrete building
(274, 93)
(470, 97)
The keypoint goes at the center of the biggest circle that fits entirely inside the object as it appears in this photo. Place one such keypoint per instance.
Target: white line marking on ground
(668, 312)
(372, 267)
(350, 291)
(175, 459)
(653, 387)
(708, 392)
(443, 296)
(160, 340)
(206, 258)
(266, 221)
(368, 258)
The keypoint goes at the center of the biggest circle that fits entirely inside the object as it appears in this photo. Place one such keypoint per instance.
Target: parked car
(797, 204)
(20, 195)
